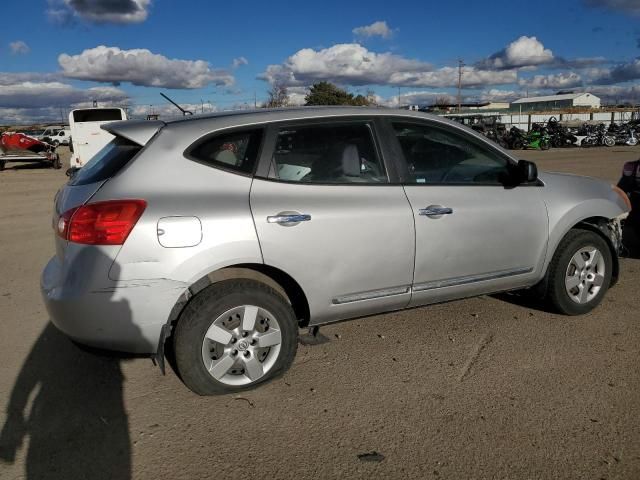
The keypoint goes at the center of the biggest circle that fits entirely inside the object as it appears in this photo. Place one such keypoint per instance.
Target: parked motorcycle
(623, 134)
(595, 135)
(537, 138)
(560, 136)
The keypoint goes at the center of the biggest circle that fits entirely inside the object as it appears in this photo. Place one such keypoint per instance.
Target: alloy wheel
(585, 275)
(241, 345)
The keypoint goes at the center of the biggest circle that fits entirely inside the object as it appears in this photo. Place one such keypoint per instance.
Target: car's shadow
(524, 300)
(69, 405)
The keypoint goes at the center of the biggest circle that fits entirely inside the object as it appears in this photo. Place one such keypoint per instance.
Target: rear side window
(237, 151)
(339, 154)
(107, 162)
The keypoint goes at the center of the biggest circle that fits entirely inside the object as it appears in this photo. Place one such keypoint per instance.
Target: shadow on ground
(66, 407)
(68, 404)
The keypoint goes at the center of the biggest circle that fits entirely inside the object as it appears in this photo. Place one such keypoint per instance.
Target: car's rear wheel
(580, 273)
(234, 335)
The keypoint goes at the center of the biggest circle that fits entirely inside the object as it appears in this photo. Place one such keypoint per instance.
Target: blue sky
(57, 54)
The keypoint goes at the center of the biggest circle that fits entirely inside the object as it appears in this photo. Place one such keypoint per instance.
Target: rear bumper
(125, 316)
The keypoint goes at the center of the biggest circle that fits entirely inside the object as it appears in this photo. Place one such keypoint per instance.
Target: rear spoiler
(138, 131)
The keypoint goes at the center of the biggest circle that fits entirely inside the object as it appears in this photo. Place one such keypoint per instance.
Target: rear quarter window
(236, 151)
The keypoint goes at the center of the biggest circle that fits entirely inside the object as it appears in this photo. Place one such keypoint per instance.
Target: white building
(556, 102)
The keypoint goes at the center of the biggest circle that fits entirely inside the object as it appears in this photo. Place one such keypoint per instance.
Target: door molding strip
(457, 281)
(371, 294)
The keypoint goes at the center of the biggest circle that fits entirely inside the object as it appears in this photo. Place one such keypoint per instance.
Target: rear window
(237, 151)
(107, 162)
(97, 115)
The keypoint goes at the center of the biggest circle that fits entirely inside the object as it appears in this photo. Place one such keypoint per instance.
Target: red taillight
(101, 223)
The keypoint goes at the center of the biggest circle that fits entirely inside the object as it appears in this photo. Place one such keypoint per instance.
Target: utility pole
(460, 65)
(398, 97)
(255, 100)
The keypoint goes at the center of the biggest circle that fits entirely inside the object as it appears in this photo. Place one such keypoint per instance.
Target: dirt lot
(481, 388)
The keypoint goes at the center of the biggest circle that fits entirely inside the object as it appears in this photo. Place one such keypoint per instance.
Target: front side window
(436, 155)
(334, 154)
(232, 151)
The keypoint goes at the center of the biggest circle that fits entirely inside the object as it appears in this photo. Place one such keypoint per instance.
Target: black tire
(544, 145)
(203, 310)
(556, 292)
(2, 164)
(56, 162)
(56, 143)
(517, 144)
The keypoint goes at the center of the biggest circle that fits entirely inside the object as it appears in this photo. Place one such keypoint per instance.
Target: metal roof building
(556, 102)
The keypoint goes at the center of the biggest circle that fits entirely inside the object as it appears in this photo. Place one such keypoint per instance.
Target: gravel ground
(480, 388)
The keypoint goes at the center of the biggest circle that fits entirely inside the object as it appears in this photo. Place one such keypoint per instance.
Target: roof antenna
(184, 112)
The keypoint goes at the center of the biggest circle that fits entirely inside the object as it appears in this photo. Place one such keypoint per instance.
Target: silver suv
(222, 235)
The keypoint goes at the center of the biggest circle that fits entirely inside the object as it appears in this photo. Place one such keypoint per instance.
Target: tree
(278, 96)
(326, 93)
(442, 102)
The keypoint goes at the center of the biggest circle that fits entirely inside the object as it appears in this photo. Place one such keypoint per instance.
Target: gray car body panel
(355, 257)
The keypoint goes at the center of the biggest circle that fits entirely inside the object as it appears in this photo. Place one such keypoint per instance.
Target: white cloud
(98, 11)
(46, 94)
(12, 78)
(555, 81)
(448, 77)
(297, 95)
(140, 67)
(623, 72)
(376, 29)
(523, 52)
(353, 64)
(497, 95)
(31, 98)
(348, 63)
(237, 62)
(616, 94)
(19, 48)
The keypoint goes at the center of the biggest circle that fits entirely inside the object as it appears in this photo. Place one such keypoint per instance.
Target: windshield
(107, 162)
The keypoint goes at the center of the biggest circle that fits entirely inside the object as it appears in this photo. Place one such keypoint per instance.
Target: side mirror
(527, 171)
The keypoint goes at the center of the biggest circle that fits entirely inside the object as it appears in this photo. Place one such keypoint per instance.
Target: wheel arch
(600, 226)
(274, 277)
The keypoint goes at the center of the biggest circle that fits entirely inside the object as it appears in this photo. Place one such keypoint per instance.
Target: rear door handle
(288, 219)
(435, 211)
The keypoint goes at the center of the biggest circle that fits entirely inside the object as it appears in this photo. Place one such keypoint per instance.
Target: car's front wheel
(234, 335)
(580, 272)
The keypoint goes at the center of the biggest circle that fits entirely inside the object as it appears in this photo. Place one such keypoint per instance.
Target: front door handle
(289, 219)
(435, 211)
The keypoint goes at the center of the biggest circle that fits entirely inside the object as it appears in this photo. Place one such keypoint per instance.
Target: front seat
(341, 164)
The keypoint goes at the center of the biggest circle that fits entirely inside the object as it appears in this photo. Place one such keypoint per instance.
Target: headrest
(351, 161)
